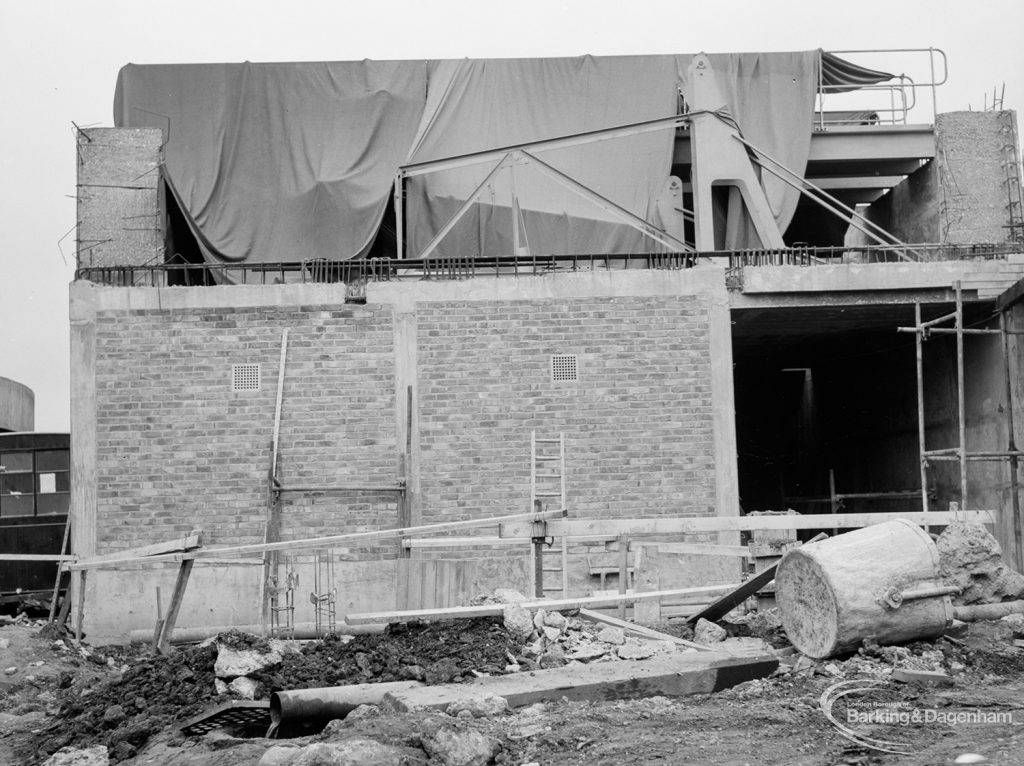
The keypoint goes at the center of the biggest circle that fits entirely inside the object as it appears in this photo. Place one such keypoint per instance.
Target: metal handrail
(902, 93)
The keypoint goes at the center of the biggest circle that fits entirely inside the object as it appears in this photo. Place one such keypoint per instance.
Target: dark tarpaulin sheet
(294, 161)
(839, 75)
(480, 104)
(279, 162)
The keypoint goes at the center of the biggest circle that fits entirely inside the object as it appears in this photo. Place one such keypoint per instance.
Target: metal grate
(235, 714)
(245, 377)
(563, 367)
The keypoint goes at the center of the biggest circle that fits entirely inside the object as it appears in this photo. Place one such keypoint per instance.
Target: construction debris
(491, 710)
(971, 559)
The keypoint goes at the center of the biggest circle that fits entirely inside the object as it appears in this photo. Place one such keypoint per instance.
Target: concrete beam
(673, 675)
(854, 143)
(857, 277)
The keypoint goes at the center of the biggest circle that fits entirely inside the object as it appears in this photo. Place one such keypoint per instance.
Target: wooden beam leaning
(614, 527)
(167, 629)
(551, 604)
(313, 543)
(640, 630)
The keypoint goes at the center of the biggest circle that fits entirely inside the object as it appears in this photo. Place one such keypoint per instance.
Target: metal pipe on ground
(987, 611)
(303, 631)
(315, 706)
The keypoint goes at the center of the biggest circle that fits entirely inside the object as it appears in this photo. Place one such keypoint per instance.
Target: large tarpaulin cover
(474, 105)
(279, 162)
(294, 161)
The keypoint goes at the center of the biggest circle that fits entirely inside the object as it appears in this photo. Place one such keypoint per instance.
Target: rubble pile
(972, 559)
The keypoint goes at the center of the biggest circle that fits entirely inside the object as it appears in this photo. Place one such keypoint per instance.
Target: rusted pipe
(302, 631)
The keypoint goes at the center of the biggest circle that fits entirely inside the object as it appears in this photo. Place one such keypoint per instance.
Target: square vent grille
(563, 367)
(245, 377)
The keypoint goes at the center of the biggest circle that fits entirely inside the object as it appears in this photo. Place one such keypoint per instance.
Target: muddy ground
(133, 704)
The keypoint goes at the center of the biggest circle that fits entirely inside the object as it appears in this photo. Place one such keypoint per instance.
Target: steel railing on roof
(896, 98)
(359, 272)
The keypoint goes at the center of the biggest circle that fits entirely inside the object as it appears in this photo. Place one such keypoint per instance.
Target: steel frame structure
(959, 453)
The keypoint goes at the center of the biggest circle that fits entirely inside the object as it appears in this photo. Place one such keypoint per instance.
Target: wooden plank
(80, 613)
(695, 549)
(428, 577)
(177, 595)
(192, 540)
(640, 630)
(313, 543)
(37, 557)
(60, 572)
(558, 604)
(731, 600)
(676, 526)
(418, 543)
(458, 542)
(402, 584)
(672, 675)
(623, 573)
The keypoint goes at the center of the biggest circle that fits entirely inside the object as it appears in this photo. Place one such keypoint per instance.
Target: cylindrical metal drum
(877, 582)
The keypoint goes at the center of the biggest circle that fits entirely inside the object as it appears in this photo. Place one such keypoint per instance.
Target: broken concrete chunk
(926, 677)
(538, 619)
(553, 657)
(555, 620)
(1015, 621)
(587, 652)
(706, 632)
(219, 686)
(356, 751)
(244, 687)
(971, 559)
(279, 755)
(518, 622)
(534, 649)
(79, 756)
(451, 747)
(508, 596)
(636, 651)
(364, 711)
(232, 663)
(485, 705)
(612, 635)
(551, 634)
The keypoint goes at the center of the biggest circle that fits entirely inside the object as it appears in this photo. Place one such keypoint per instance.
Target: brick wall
(177, 449)
(638, 422)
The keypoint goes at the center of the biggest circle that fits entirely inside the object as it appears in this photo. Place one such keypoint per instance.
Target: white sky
(59, 62)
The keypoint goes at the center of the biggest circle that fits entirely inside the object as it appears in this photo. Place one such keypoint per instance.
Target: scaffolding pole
(959, 453)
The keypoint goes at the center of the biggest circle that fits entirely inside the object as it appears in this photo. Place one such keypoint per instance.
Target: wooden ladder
(547, 493)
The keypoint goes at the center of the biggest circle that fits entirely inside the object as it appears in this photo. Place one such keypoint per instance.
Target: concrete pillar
(120, 197)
